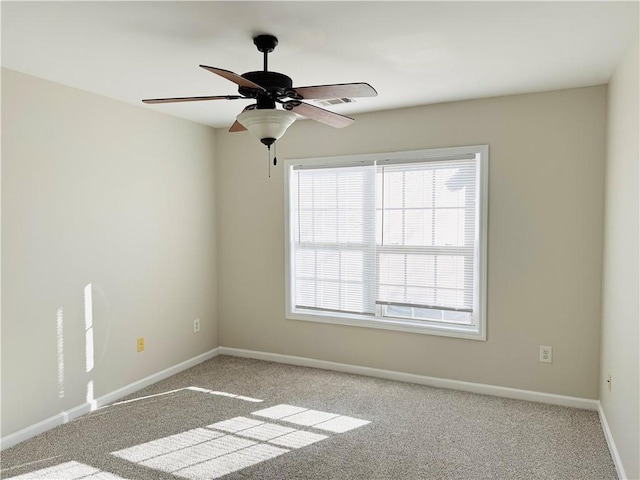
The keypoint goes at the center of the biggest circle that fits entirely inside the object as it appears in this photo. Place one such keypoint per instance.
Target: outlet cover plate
(546, 354)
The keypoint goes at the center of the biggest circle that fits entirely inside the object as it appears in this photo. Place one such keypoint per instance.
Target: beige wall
(620, 310)
(95, 191)
(98, 192)
(545, 241)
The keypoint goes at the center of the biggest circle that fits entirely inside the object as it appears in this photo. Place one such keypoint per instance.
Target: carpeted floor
(248, 419)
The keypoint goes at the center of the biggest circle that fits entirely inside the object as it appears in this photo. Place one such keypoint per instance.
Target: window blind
(334, 238)
(426, 234)
(395, 233)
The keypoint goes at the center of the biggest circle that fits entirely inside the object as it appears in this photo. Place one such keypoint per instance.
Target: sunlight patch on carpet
(309, 418)
(266, 431)
(192, 389)
(237, 443)
(279, 411)
(233, 462)
(298, 439)
(331, 422)
(69, 471)
(174, 461)
(341, 424)
(180, 441)
(235, 424)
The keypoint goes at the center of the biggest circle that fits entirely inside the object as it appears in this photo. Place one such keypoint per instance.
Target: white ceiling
(413, 53)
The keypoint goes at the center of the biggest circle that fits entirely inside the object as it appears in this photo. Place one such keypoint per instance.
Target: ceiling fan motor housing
(277, 86)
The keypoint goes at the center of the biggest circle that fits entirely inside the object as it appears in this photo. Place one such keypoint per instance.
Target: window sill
(398, 325)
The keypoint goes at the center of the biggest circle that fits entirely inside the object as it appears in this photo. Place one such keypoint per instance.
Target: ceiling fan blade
(323, 116)
(237, 127)
(193, 99)
(234, 77)
(339, 90)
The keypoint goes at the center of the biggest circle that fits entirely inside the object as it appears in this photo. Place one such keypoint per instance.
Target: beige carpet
(247, 419)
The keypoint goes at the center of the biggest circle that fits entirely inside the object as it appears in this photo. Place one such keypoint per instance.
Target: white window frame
(474, 332)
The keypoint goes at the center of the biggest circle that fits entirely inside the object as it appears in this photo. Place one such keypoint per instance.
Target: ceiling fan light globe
(266, 124)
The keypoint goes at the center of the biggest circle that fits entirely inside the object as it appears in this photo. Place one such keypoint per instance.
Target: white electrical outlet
(546, 354)
(196, 325)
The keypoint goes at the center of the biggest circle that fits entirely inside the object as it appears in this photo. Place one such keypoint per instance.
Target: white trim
(408, 155)
(75, 412)
(41, 427)
(483, 218)
(389, 323)
(617, 461)
(475, 332)
(481, 388)
(156, 377)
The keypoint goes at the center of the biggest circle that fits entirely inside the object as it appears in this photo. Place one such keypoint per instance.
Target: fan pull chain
(275, 160)
(269, 159)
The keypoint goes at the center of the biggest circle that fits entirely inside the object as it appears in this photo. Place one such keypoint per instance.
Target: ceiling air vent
(334, 101)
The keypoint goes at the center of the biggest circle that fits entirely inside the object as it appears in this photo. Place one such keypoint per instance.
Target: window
(394, 241)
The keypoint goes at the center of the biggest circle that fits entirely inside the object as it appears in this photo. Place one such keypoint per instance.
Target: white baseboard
(41, 427)
(156, 377)
(611, 443)
(481, 388)
(75, 412)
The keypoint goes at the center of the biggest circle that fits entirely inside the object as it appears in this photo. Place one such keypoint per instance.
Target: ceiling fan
(263, 119)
